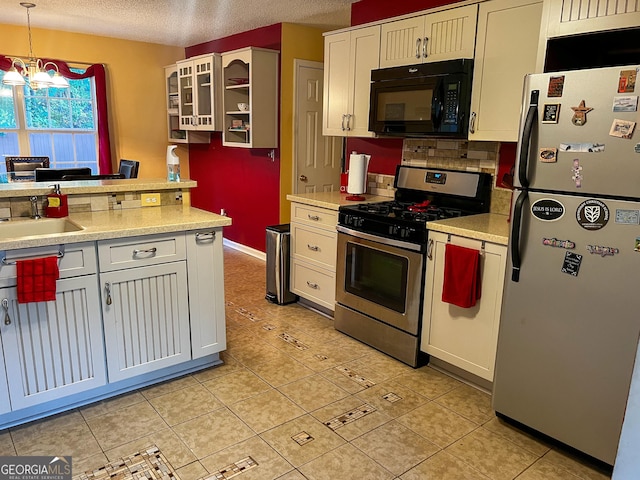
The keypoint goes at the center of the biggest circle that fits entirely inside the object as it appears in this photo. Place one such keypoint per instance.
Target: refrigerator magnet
(571, 264)
(602, 250)
(627, 81)
(580, 114)
(551, 112)
(576, 173)
(636, 247)
(622, 128)
(547, 209)
(636, 148)
(592, 214)
(556, 85)
(548, 155)
(627, 103)
(554, 242)
(627, 217)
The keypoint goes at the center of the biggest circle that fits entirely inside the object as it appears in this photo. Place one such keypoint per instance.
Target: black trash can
(278, 241)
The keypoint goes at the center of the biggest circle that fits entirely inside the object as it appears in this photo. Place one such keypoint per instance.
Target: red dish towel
(462, 276)
(37, 279)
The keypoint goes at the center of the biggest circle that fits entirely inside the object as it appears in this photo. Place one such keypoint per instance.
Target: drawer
(76, 259)
(314, 245)
(316, 216)
(314, 284)
(131, 252)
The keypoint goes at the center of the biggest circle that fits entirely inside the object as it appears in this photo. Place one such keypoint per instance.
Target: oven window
(404, 105)
(377, 276)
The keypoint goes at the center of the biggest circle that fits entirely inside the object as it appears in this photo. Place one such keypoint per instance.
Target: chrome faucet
(34, 208)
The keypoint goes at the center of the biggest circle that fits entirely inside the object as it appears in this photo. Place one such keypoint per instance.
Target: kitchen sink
(42, 226)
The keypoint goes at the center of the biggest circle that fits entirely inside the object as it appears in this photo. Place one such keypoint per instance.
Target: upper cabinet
(198, 93)
(571, 17)
(433, 37)
(250, 79)
(506, 49)
(349, 57)
(175, 133)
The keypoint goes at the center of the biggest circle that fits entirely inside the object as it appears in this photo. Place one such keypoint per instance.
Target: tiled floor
(302, 401)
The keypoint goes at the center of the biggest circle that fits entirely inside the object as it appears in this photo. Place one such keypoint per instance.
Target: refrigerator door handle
(515, 236)
(531, 118)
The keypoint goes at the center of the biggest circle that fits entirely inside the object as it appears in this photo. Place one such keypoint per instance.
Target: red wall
(245, 182)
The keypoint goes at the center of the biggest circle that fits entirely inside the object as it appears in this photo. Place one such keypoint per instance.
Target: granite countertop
(332, 200)
(489, 227)
(121, 223)
(25, 189)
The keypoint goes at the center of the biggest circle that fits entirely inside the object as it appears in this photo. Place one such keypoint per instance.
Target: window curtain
(100, 78)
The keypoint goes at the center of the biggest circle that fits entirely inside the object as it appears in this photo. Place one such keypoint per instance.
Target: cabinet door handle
(150, 251)
(430, 249)
(315, 218)
(205, 236)
(342, 124)
(5, 305)
(349, 121)
(314, 248)
(472, 122)
(312, 285)
(424, 47)
(107, 292)
(418, 41)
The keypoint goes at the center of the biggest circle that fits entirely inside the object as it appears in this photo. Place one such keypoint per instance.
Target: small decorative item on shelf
(236, 123)
(243, 107)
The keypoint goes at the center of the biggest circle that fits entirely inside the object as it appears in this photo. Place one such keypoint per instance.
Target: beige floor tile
(230, 365)
(172, 447)
(168, 386)
(269, 463)
(185, 404)
(392, 398)
(378, 367)
(545, 470)
(282, 371)
(492, 455)
(346, 462)
(6, 444)
(62, 421)
(111, 404)
(266, 410)
(124, 425)
(443, 466)
(328, 355)
(252, 352)
(395, 447)
(469, 402)
(237, 386)
(282, 439)
(337, 376)
(576, 466)
(437, 424)
(517, 436)
(88, 464)
(355, 428)
(428, 382)
(192, 471)
(313, 392)
(212, 432)
(292, 475)
(299, 340)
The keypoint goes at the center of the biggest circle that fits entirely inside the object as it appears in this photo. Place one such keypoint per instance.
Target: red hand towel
(37, 279)
(462, 276)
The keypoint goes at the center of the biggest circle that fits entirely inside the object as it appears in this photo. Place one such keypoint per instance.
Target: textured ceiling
(174, 22)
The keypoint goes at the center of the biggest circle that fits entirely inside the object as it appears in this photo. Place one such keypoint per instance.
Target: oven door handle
(383, 240)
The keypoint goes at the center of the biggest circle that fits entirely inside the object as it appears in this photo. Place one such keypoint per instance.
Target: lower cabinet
(463, 337)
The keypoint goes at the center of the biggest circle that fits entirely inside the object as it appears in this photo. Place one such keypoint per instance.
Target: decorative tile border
(355, 377)
(391, 397)
(302, 438)
(148, 464)
(293, 341)
(351, 416)
(246, 313)
(233, 469)
(321, 357)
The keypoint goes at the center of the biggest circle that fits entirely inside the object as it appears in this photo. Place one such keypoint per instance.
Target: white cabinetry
(313, 254)
(145, 303)
(250, 77)
(349, 58)
(506, 49)
(199, 93)
(175, 133)
(463, 337)
(573, 17)
(434, 37)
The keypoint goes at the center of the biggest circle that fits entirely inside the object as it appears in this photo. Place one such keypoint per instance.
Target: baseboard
(244, 249)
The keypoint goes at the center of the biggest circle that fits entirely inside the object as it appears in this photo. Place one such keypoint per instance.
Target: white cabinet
(572, 17)
(313, 254)
(349, 58)
(5, 403)
(199, 93)
(145, 304)
(463, 337)
(444, 35)
(206, 291)
(175, 133)
(250, 78)
(506, 49)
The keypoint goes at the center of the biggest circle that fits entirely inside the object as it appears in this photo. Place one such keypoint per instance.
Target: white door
(317, 158)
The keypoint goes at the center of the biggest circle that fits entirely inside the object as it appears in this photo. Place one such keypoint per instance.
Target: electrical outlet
(150, 199)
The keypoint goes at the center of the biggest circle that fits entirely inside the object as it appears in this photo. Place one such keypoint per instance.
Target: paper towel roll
(358, 164)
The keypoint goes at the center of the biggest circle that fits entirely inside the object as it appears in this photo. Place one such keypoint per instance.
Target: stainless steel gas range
(380, 273)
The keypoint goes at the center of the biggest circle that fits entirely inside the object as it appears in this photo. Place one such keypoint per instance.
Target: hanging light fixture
(34, 68)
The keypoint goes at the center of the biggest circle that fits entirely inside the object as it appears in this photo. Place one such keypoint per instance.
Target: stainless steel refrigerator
(570, 319)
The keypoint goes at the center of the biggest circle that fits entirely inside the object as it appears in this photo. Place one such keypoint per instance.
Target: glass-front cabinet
(176, 133)
(198, 93)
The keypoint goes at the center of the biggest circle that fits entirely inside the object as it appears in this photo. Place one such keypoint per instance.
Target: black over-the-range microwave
(428, 99)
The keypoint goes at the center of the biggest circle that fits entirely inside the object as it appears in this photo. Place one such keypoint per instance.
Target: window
(58, 123)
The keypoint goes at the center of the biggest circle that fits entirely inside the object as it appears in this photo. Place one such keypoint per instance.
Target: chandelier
(33, 68)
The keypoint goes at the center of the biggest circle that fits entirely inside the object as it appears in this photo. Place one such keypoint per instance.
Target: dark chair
(110, 176)
(58, 174)
(21, 169)
(129, 168)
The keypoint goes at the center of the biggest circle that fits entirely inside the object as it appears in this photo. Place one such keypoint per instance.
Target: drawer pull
(315, 248)
(205, 236)
(150, 251)
(107, 292)
(5, 305)
(312, 285)
(315, 218)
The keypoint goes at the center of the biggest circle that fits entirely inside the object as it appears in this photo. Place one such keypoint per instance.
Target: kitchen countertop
(121, 223)
(332, 200)
(489, 227)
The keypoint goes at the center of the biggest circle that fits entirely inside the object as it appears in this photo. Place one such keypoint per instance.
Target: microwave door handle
(436, 105)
